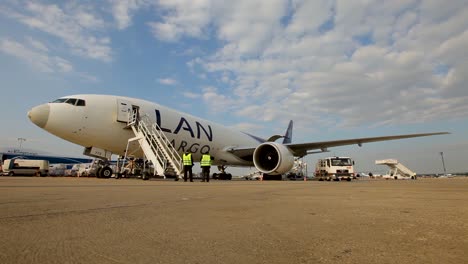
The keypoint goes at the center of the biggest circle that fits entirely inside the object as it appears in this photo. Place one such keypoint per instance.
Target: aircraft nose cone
(39, 115)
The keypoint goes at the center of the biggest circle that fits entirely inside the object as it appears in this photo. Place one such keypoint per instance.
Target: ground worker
(188, 164)
(205, 164)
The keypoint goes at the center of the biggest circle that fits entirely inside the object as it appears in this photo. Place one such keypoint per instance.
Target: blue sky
(339, 69)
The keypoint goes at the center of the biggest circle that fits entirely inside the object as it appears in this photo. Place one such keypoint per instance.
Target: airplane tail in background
(288, 135)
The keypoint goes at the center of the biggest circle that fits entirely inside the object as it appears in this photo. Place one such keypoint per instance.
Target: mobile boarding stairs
(397, 170)
(156, 147)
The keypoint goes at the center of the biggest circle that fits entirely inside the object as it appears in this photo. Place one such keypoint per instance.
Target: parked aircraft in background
(100, 122)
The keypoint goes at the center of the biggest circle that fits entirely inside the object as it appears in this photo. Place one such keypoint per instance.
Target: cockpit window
(60, 100)
(71, 101)
(80, 102)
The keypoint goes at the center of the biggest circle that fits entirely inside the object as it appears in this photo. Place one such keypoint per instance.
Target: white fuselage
(96, 125)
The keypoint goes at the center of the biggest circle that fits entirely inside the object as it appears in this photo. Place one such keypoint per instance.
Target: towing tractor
(335, 168)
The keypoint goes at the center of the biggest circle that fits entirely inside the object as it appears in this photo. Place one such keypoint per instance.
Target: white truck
(335, 168)
(25, 167)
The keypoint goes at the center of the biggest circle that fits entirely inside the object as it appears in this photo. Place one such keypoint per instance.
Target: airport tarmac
(78, 220)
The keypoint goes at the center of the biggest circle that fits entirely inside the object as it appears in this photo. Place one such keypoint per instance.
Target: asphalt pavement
(88, 220)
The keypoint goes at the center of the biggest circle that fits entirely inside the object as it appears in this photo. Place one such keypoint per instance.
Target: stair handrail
(139, 127)
(166, 146)
(152, 131)
(146, 133)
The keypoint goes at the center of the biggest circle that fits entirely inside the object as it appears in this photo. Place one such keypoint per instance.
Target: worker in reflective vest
(188, 164)
(205, 164)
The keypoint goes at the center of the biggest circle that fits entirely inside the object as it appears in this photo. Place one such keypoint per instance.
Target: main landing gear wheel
(98, 173)
(106, 172)
(222, 175)
(268, 177)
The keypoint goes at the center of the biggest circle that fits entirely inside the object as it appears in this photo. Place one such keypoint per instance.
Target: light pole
(443, 162)
(21, 140)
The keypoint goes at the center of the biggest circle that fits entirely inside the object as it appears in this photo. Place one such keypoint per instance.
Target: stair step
(156, 145)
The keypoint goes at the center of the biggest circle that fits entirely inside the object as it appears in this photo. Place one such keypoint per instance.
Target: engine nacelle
(273, 158)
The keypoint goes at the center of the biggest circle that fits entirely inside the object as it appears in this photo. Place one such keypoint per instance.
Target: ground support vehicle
(397, 170)
(25, 167)
(335, 168)
(134, 168)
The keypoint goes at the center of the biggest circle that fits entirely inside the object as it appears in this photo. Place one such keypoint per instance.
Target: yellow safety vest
(187, 159)
(205, 160)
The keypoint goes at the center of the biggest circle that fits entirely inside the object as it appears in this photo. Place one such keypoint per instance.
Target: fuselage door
(124, 108)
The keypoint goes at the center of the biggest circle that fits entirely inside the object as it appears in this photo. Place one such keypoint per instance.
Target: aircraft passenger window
(80, 102)
(60, 100)
(71, 101)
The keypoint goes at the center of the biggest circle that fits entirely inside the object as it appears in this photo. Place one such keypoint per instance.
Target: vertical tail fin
(288, 135)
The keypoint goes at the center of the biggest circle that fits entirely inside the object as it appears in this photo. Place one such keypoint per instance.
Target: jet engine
(273, 158)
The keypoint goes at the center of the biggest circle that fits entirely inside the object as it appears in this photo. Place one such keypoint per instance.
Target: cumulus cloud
(191, 95)
(123, 10)
(35, 54)
(77, 25)
(167, 81)
(39, 57)
(332, 63)
(247, 26)
(37, 44)
(216, 100)
(183, 18)
(246, 127)
(338, 63)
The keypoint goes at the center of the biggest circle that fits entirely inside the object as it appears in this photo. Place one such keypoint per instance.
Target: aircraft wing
(302, 149)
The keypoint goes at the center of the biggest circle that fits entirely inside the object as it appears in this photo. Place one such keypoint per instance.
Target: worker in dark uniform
(205, 164)
(188, 164)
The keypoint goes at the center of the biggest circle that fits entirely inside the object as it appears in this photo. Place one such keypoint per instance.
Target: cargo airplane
(100, 121)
